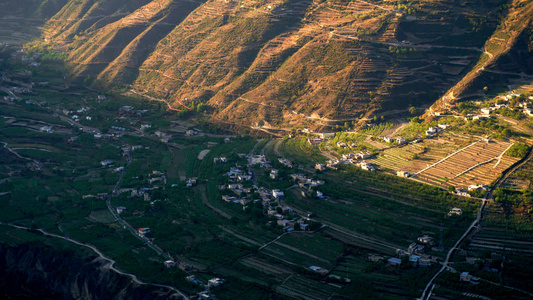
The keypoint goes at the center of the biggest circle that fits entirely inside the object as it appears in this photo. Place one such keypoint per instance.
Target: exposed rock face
(37, 271)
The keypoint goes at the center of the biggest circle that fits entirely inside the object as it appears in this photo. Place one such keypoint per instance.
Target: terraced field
(394, 159)
(480, 162)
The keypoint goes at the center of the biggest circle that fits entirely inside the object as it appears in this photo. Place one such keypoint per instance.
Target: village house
(478, 187)
(214, 282)
(191, 132)
(481, 117)
(277, 193)
(257, 159)
(120, 209)
(274, 174)
(363, 155)
(367, 166)
(228, 198)
(455, 211)
(401, 141)
(47, 129)
(320, 167)
(403, 174)
(425, 239)
(169, 264)
(393, 261)
(333, 164)
(106, 163)
(318, 270)
(487, 110)
(143, 231)
(191, 182)
(341, 144)
(145, 126)
(432, 131)
(462, 192)
(314, 141)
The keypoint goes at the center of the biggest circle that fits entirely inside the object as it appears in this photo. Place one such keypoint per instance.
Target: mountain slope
(507, 60)
(281, 62)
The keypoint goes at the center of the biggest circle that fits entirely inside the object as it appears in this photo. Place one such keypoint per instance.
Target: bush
(517, 150)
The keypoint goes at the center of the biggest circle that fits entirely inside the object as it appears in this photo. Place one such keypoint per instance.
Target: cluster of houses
(163, 136)
(130, 110)
(308, 185)
(415, 253)
(398, 140)
(350, 158)
(473, 187)
(191, 132)
(76, 115)
(218, 160)
(235, 174)
(145, 126)
(159, 176)
(524, 106)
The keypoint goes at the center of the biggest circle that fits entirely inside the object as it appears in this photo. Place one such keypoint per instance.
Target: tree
(412, 110)
(451, 188)
(506, 132)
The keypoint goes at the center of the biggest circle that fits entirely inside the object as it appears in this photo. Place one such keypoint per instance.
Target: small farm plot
(394, 159)
(301, 287)
(510, 234)
(460, 166)
(276, 270)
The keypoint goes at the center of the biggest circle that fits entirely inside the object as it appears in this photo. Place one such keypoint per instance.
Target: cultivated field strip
(304, 288)
(480, 162)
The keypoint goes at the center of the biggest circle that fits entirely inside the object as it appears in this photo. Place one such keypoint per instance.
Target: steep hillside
(507, 60)
(279, 62)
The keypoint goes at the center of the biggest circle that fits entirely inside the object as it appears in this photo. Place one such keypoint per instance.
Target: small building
(393, 261)
(47, 129)
(320, 167)
(169, 263)
(120, 209)
(462, 192)
(277, 194)
(425, 239)
(318, 270)
(143, 231)
(401, 141)
(367, 166)
(465, 277)
(191, 132)
(102, 196)
(274, 174)
(403, 174)
(455, 211)
(214, 282)
(106, 163)
(363, 155)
